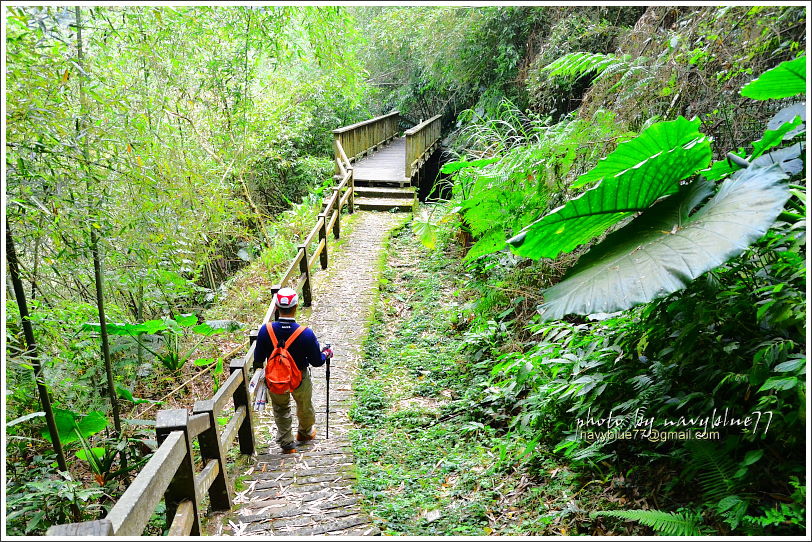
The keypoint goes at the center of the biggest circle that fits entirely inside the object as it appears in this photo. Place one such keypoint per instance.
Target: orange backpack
(281, 373)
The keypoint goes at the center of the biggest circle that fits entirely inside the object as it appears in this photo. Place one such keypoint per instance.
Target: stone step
(384, 204)
(384, 192)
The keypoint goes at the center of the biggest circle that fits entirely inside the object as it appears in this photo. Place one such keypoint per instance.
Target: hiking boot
(302, 437)
(289, 448)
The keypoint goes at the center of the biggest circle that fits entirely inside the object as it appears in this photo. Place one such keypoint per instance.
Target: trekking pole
(327, 412)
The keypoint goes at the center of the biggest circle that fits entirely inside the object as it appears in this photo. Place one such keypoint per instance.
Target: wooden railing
(420, 144)
(356, 140)
(170, 473)
(329, 219)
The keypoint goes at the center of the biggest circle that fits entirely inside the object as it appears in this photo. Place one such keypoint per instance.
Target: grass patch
(422, 468)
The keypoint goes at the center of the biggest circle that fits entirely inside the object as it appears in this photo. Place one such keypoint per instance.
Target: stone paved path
(311, 492)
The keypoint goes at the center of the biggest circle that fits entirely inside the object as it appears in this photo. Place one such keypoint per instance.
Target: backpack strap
(294, 335)
(290, 339)
(271, 334)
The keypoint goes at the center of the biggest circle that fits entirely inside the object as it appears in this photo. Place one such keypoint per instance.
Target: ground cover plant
(677, 356)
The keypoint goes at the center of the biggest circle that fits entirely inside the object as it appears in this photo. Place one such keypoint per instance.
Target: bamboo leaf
(25, 418)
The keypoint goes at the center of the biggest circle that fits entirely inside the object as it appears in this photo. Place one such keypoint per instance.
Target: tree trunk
(140, 317)
(31, 355)
(94, 242)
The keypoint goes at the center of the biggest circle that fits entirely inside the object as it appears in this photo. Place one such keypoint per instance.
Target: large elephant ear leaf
(661, 136)
(785, 80)
(613, 199)
(666, 247)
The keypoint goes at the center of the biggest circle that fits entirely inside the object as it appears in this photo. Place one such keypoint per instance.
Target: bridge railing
(420, 143)
(170, 474)
(354, 141)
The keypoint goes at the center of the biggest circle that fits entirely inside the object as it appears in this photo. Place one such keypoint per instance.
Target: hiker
(301, 343)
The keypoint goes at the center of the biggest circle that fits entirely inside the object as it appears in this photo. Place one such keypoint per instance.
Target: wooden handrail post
(274, 289)
(304, 269)
(337, 225)
(241, 398)
(220, 492)
(351, 188)
(182, 486)
(408, 172)
(323, 236)
(336, 141)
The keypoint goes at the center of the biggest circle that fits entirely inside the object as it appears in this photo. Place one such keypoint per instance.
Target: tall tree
(94, 238)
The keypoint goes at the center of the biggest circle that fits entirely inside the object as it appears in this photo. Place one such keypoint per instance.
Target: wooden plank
(102, 527)
(230, 432)
(242, 400)
(184, 519)
(316, 253)
(415, 129)
(182, 486)
(304, 269)
(294, 265)
(383, 204)
(344, 181)
(225, 392)
(344, 161)
(197, 424)
(333, 219)
(249, 356)
(206, 477)
(313, 233)
(300, 282)
(331, 201)
(134, 509)
(384, 192)
(221, 491)
(321, 250)
(351, 127)
(344, 200)
(386, 165)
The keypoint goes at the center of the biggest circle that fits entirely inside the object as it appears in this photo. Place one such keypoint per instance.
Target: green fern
(715, 468)
(577, 64)
(666, 523)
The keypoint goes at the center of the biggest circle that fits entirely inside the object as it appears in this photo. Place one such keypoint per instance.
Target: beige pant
(303, 395)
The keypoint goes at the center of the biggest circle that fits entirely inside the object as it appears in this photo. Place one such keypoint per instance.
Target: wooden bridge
(388, 168)
(376, 169)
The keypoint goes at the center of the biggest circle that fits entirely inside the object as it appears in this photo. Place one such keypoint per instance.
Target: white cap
(286, 298)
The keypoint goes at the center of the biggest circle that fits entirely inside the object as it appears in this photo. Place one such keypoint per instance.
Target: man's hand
(327, 351)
